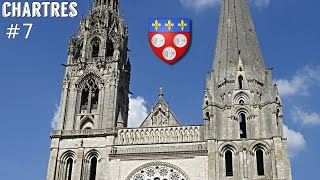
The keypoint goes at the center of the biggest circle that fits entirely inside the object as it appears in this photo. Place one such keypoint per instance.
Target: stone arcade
(241, 136)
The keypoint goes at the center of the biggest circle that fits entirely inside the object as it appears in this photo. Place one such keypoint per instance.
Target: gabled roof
(160, 115)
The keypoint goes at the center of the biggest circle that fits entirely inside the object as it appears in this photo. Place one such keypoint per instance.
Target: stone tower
(96, 82)
(242, 135)
(94, 98)
(242, 110)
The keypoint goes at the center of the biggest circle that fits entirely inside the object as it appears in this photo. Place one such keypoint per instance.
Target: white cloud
(305, 118)
(260, 3)
(300, 83)
(296, 141)
(292, 87)
(137, 111)
(55, 119)
(199, 5)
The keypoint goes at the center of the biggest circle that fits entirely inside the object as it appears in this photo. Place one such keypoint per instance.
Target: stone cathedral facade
(241, 136)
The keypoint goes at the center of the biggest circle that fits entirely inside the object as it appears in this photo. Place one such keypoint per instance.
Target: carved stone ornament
(158, 171)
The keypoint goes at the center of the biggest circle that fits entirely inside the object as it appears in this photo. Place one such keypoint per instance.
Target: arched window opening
(109, 48)
(260, 163)
(243, 128)
(229, 166)
(90, 96)
(93, 168)
(69, 169)
(240, 81)
(241, 102)
(95, 47)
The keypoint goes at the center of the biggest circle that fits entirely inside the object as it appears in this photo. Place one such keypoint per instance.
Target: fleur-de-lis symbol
(169, 24)
(156, 25)
(182, 24)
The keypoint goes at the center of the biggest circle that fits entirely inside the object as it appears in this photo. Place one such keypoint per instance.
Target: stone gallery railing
(84, 132)
(188, 147)
(159, 135)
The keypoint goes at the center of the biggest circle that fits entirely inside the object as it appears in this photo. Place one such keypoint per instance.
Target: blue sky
(31, 75)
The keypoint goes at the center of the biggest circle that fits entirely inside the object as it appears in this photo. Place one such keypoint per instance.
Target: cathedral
(241, 137)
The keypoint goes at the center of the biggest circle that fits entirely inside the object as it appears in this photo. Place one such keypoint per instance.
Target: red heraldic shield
(169, 38)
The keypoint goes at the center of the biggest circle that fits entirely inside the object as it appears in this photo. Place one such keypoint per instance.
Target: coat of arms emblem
(169, 38)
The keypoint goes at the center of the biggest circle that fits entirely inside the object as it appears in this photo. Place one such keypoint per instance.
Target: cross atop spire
(236, 36)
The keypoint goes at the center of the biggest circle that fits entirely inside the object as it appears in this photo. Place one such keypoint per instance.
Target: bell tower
(94, 100)
(96, 82)
(242, 110)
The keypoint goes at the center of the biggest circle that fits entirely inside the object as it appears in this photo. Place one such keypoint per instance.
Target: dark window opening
(277, 117)
(110, 19)
(243, 128)
(69, 169)
(89, 96)
(77, 52)
(95, 50)
(95, 95)
(229, 166)
(84, 98)
(241, 102)
(260, 164)
(93, 168)
(110, 48)
(95, 47)
(208, 116)
(240, 80)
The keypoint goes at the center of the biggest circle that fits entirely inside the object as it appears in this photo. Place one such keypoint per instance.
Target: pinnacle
(161, 93)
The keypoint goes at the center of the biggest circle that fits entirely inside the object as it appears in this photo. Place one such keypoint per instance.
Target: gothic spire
(237, 37)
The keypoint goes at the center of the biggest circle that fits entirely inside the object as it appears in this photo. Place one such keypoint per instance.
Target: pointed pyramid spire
(120, 121)
(236, 36)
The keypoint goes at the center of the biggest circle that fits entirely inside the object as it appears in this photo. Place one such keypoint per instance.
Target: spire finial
(161, 93)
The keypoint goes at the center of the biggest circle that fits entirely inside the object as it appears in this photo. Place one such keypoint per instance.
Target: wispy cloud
(305, 118)
(137, 111)
(199, 5)
(55, 119)
(260, 3)
(301, 82)
(296, 141)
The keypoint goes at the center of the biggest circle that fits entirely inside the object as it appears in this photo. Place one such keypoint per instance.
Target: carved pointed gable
(160, 115)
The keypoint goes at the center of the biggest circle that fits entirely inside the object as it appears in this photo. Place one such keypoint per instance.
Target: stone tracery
(158, 171)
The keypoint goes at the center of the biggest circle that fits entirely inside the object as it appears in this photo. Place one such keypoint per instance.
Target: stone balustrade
(188, 147)
(159, 135)
(84, 132)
